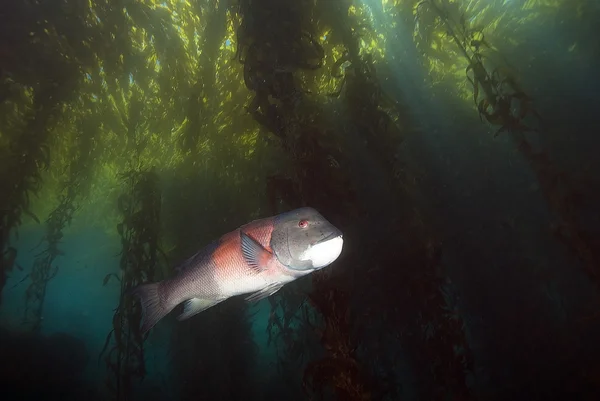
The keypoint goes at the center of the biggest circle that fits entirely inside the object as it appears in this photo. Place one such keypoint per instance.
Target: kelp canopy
(167, 123)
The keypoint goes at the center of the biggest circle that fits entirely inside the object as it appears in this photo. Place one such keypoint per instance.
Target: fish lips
(333, 235)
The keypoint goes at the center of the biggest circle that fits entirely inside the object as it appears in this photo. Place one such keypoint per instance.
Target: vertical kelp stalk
(200, 111)
(36, 80)
(443, 344)
(339, 369)
(140, 208)
(223, 333)
(292, 331)
(563, 200)
(43, 271)
(276, 42)
(439, 334)
(20, 177)
(27, 156)
(139, 231)
(505, 104)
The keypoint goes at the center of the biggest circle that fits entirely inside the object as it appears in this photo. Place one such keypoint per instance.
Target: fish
(255, 260)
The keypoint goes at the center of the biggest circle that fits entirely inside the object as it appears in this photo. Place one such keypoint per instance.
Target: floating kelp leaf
(23, 279)
(122, 203)
(105, 345)
(107, 278)
(116, 322)
(9, 256)
(30, 214)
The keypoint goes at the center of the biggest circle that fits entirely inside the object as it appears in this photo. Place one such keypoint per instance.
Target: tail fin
(154, 307)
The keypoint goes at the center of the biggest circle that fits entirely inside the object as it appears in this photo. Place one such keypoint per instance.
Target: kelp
(384, 124)
(496, 94)
(316, 159)
(272, 59)
(292, 331)
(139, 206)
(443, 345)
(564, 196)
(501, 100)
(39, 73)
(43, 269)
(339, 370)
(72, 188)
(281, 104)
(26, 158)
(171, 76)
(199, 110)
(437, 347)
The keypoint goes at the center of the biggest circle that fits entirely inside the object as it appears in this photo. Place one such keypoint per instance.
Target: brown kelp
(307, 97)
(199, 110)
(501, 100)
(293, 330)
(384, 124)
(43, 269)
(272, 61)
(140, 207)
(73, 187)
(139, 231)
(39, 72)
(368, 110)
(339, 370)
(25, 158)
(498, 97)
(281, 103)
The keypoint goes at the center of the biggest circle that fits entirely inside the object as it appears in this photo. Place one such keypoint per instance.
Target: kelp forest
(453, 142)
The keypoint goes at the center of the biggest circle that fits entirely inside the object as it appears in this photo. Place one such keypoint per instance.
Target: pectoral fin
(255, 255)
(264, 293)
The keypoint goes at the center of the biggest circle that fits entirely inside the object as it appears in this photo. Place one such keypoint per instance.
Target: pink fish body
(256, 259)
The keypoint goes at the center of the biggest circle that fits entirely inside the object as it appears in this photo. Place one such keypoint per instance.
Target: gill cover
(303, 240)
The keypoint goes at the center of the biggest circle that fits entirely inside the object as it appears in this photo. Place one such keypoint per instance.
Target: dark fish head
(304, 241)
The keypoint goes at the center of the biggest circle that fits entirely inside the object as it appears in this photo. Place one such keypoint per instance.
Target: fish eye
(303, 223)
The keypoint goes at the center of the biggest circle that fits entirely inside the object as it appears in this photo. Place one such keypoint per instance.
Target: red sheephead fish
(256, 259)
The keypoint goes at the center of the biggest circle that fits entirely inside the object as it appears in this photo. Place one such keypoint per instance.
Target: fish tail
(154, 306)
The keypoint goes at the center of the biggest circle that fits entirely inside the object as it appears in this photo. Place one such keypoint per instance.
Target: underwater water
(452, 142)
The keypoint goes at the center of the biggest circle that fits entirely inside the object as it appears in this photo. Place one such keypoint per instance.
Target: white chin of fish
(324, 253)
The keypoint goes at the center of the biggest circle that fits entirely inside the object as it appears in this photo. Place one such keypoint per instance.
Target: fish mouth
(333, 235)
(325, 251)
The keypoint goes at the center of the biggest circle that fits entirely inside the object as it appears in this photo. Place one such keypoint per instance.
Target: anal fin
(264, 293)
(194, 306)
